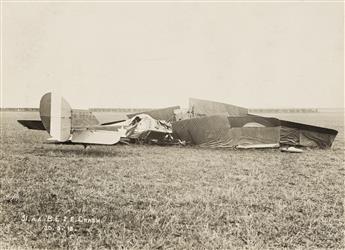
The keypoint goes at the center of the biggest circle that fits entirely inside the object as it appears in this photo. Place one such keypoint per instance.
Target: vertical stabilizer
(55, 115)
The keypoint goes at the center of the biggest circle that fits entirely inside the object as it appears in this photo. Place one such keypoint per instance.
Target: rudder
(56, 113)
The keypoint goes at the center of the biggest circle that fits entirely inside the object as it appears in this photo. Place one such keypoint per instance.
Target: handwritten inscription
(60, 223)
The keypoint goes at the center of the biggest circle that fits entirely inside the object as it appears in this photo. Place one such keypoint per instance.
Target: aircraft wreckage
(205, 124)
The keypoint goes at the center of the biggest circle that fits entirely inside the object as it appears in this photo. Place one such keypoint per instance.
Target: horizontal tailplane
(32, 124)
(96, 137)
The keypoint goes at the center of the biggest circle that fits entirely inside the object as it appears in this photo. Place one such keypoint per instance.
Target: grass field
(62, 196)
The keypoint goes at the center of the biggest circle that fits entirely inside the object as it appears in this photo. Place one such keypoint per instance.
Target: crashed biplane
(205, 123)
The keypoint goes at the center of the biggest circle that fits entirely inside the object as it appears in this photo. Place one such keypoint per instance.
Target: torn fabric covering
(201, 130)
(242, 137)
(217, 132)
(299, 134)
(289, 136)
(316, 139)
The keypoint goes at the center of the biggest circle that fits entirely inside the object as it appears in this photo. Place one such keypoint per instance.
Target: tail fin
(56, 115)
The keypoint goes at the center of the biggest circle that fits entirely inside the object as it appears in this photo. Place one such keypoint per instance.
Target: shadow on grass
(78, 151)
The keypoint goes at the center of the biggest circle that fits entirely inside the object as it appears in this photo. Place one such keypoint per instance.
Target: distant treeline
(291, 110)
(136, 110)
(118, 110)
(20, 109)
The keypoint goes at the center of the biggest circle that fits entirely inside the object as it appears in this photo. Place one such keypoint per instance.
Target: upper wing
(166, 114)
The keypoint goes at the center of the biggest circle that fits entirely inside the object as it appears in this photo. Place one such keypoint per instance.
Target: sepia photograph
(160, 124)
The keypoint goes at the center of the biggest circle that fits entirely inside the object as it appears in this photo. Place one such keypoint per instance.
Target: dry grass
(169, 197)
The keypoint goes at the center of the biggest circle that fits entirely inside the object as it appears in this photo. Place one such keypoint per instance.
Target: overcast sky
(159, 54)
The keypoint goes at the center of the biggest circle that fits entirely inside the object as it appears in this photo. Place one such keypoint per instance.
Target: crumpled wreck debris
(143, 128)
(220, 125)
(205, 123)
